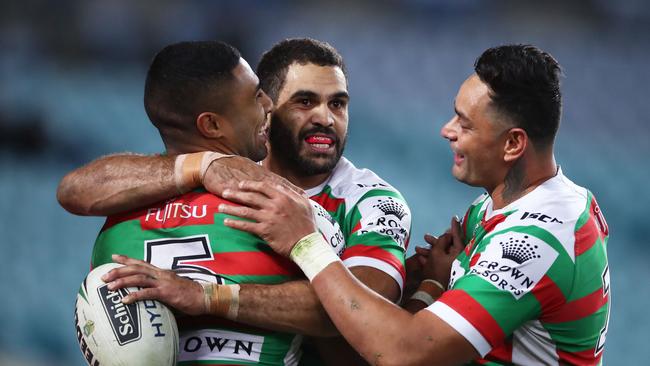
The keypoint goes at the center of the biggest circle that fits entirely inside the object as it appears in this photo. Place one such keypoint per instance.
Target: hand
(158, 284)
(414, 265)
(443, 252)
(280, 215)
(227, 172)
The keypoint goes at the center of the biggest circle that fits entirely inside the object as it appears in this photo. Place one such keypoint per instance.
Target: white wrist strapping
(189, 169)
(312, 254)
(424, 297)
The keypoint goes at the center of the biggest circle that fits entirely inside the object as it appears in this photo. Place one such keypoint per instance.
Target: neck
(195, 144)
(303, 181)
(524, 176)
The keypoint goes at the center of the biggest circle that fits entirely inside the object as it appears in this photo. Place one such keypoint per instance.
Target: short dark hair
(272, 68)
(524, 86)
(186, 79)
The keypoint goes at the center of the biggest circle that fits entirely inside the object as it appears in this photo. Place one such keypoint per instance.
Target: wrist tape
(312, 254)
(429, 291)
(189, 169)
(221, 300)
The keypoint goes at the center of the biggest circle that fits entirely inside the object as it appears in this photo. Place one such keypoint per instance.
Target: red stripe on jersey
(369, 251)
(579, 308)
(582, 358)
(475, 314)
(474, 259)
(329, 203)
(356, 227)
(595, 227)
(194, 208)
(549, 296)
(501, 354)
(586, 236)
(491, 223)
(249, 263)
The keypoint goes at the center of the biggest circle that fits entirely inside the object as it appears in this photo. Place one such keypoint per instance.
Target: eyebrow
(459, 113)
(312, 95)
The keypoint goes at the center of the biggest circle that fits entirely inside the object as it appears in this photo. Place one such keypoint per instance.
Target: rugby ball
(111, 333)
(328, 227)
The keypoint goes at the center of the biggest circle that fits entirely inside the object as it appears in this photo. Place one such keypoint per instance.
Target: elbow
(69, 199)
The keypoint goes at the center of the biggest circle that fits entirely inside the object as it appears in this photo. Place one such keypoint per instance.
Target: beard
(286, 147)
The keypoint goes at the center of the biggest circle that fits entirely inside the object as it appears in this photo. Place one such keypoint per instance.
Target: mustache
(329, 132)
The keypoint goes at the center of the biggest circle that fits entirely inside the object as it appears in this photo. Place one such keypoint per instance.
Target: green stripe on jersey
(584, 332)
(500, 303)
(589, 269)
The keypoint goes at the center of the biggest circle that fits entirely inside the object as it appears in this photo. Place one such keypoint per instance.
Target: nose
(448, 130)
(322, 115)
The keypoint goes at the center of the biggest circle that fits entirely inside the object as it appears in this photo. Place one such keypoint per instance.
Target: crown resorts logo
(324, 214)
(519, 251)
(390, 207)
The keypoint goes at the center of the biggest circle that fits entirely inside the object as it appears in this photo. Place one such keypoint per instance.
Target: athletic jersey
(374, 218)
(187, 234)
(532, 285)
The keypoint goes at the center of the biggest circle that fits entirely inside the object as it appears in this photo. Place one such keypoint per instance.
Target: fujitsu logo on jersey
(176, 210)
(191, 209)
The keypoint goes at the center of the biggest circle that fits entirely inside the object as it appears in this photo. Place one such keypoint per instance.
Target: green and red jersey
(374, 218)
(186, 234)
(532, 285)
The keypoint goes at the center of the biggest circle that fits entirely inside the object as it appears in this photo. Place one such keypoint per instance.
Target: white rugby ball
(328, 227)
(112, 333)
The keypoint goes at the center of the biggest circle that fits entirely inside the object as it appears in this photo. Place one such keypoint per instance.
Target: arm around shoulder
(117, 183)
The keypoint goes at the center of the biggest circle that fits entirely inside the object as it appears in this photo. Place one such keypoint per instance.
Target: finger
(430, 239)
(138, 280)
(247, 198)
(241, 211)
(149, 293)
(457, 242)
(122, 259)
(130, 270)
(422, 251)
(441, 245)
(250, 227)
(269, 190)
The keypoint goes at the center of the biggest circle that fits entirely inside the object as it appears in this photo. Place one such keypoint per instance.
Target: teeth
(321, 146)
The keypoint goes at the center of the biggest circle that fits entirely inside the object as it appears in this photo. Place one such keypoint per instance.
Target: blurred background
(71, 85)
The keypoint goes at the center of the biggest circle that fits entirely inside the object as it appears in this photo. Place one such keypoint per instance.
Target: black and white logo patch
(124, 319)
(514, 262)
(386, 216)
(391, 207)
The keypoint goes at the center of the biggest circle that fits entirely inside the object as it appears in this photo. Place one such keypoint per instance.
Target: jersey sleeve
(506, 285)
(379, 227)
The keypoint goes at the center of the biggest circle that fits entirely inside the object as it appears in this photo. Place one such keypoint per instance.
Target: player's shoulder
(550, 212)
(352, 183)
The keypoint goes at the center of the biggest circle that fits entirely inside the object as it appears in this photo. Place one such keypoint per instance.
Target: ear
(515, 144)
(210, 125)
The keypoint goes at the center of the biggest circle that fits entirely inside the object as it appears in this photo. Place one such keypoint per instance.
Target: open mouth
(458, 158)
(320, 143)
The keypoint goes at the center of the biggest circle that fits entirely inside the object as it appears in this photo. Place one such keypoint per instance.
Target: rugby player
(524, 280)
(307, 81)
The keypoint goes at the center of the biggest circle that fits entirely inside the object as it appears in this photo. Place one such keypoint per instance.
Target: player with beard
(306, 80)
(527, 272)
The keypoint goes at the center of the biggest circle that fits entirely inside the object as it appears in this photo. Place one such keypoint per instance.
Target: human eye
(306, 102)
(338, 103)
